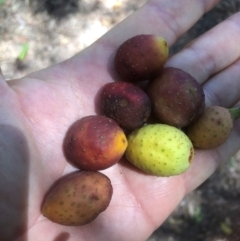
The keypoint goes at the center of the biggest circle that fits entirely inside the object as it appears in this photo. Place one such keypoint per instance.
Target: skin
(36, 111)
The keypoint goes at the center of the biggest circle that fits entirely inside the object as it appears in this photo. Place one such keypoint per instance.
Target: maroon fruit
(141, 57)
(127, 104)
(177, 98)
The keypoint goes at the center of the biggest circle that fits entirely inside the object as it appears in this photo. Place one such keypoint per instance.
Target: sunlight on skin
(44, 104)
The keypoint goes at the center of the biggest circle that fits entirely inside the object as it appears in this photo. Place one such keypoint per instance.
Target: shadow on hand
(14, 183)
(62, 237)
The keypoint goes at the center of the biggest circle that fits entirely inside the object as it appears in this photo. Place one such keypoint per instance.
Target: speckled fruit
(94, 143)
(141, 57)
(160, 150)
(213, 127)
(177, 98)
(127, 104)
(78, 198)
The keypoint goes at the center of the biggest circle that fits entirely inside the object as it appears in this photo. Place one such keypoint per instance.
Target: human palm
(37, 110)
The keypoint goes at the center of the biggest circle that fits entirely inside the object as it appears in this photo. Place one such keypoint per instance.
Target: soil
(36, 34)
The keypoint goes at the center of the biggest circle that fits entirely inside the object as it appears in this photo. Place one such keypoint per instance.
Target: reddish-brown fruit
(94, 143)
(127, 104)
(213, 127)
(141, 57)
(78, 198)
(177, 98)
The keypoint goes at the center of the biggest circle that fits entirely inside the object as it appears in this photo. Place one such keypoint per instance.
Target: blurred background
(35, 34)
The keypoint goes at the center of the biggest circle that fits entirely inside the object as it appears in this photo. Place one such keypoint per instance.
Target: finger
(169, 19)
(215, 53)
(3, 83)
(223, 88)
(212, 52)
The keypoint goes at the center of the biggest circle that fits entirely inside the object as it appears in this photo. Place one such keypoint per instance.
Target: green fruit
(160, 150)
(78, 198)
(213, 127)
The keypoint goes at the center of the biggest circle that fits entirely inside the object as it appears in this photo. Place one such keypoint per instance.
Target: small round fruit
(213, 127)
(177, 98)
(78, 198)
(160, 150)
(141, 57)
(94, 143)
(127, 104)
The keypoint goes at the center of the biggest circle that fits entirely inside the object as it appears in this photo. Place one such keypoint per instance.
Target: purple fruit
(177, 98)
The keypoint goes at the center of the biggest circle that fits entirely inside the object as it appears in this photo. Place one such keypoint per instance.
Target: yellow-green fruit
(160, 150)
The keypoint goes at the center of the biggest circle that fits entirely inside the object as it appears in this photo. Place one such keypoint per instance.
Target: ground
(36, 34)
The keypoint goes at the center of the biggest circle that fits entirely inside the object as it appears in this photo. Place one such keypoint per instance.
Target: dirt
(53, 30)
(36, 34)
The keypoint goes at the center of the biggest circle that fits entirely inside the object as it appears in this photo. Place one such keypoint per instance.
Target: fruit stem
(235, 112)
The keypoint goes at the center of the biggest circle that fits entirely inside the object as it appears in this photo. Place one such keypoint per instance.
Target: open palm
(37, 110)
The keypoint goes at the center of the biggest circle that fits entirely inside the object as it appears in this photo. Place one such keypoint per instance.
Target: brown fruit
(177, 98)
(94, 143)
(213, 127)
(78, 198)
(141, 57)
(127, 104)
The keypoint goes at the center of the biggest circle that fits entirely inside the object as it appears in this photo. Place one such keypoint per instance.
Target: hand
(37, 110)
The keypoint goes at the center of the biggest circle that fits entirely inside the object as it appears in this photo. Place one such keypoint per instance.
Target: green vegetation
(24, 51)
(226, 228)
(198, 215)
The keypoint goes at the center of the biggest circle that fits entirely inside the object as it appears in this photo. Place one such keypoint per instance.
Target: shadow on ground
(58, 9)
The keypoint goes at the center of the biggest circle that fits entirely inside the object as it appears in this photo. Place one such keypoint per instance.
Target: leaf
(23, 52)
(226, 228)
(198, 215)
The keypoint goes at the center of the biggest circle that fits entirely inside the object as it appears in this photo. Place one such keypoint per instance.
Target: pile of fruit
(156, 127)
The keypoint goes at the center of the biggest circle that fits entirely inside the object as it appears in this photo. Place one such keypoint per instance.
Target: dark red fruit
(141, 57)
(127, 104)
